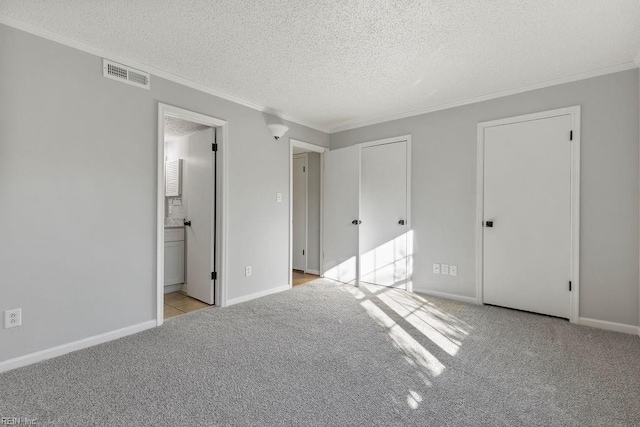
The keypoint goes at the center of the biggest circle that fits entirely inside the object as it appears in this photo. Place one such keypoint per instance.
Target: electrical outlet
(444, 268)
(453, 270)
(12, 318)
(247, 271)
(279, 197)
(436, 268)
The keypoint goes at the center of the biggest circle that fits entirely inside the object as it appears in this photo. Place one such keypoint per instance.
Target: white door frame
(306, 209)
(362, 145)
(316, 149)
(223, 194)
(574, 275)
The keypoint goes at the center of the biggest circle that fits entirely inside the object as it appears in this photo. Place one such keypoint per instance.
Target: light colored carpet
(329, 354)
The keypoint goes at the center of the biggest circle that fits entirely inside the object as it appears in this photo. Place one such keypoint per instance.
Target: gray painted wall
(444, 180)
(73, 145)
(313, 209)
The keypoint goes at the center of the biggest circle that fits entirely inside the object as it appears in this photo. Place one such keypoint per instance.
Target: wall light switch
(444, 268)
(453, 270)
(436, 268)
(279, 197)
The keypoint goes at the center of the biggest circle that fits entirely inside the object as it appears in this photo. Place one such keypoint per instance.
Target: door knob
(401, 222)
(488, 224)
(187, 223)
(356, 222)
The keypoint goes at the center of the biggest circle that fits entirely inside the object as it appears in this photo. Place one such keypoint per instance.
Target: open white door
(199, 185)
(341, 209)
(383, 211)
(300, 212)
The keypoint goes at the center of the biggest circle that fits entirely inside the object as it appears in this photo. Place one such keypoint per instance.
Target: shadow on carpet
(331, 354)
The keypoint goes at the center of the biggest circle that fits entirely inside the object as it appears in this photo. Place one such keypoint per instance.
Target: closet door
(383, 211)
(299, 228)
(341, 214)
(527, 215)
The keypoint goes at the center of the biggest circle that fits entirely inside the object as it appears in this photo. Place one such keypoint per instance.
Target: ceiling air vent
(125, 74)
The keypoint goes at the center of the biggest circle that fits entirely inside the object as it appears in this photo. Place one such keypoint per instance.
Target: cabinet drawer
(174, 234)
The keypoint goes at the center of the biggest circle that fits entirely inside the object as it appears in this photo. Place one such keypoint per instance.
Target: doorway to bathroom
(190, 244)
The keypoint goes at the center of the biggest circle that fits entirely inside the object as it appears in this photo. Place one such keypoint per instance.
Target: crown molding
(46, 34)
(572, 78)
(352, 124)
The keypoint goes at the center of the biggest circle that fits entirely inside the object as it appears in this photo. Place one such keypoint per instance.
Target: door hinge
(569, 285)
(571, 136)
(214, 275)
(303, 252)
(304, 169)
(214, 147)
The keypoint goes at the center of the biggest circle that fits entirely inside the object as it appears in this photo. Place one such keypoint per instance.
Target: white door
(341, 209)
(527, 215)
(199, 185)
(300, 212)
(383, 211)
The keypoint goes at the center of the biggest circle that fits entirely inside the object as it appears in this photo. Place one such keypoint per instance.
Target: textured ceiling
(176, 128)
(339, 62)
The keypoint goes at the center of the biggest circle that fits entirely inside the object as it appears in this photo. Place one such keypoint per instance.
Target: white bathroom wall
(177, 148)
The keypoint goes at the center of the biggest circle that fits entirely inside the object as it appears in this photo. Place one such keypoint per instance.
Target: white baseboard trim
(257, 295)
(609, 326)
(52, 352)
(314, 272)
(454, 297)
(173, 288)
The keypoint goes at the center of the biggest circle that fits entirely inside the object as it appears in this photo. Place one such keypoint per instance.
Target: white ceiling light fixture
(277, 130)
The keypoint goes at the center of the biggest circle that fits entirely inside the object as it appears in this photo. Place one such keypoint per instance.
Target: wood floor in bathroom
(300, 277)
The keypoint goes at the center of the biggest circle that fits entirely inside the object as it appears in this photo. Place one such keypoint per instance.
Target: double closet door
(366, 214)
